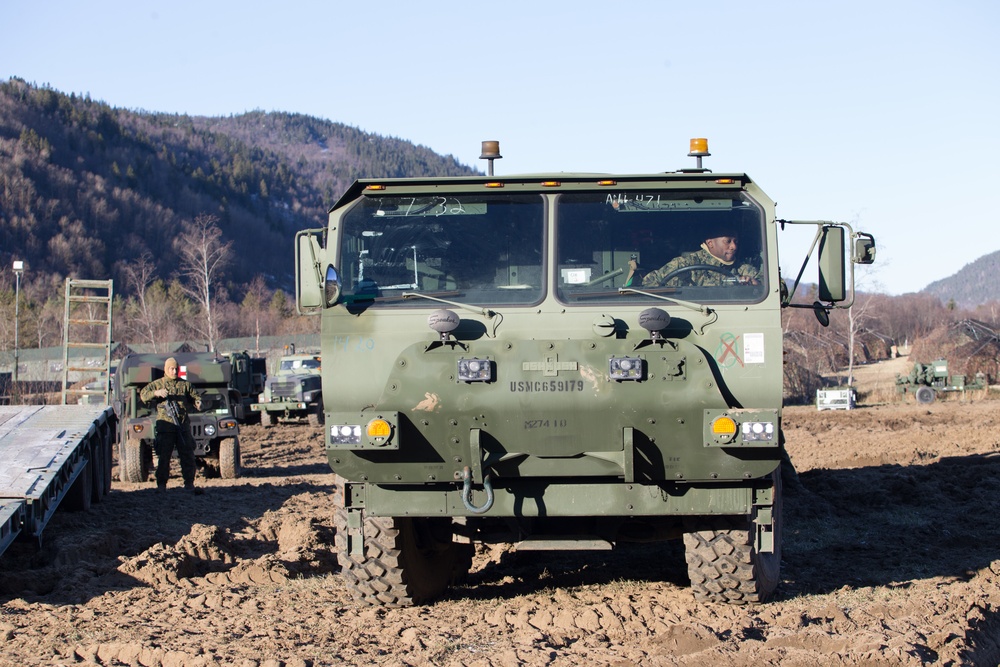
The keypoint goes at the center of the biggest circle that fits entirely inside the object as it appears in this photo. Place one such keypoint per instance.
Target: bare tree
(203, 257)
(142, 320)
(258, 319)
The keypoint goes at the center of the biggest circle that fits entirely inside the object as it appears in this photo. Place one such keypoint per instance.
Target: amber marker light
(699, 146)
(724, 426)
(379, 428)
(375, 186)
(607, 182)
(494, 184)
(724, 181)
(551, 184)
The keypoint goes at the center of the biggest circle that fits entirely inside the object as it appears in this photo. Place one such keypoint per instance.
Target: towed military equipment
(492, 372)
(926, 381)
(214, 428)
(294, 393)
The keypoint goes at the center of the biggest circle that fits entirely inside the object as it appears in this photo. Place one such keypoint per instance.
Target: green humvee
(214, 428)
(294, 393)
(496, 370)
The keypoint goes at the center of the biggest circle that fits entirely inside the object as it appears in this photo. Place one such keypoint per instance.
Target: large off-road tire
(316, 416)
(407, 560)
(266, 419)
(925, 395)
(229, 458)
(135, 455)
(724, 564)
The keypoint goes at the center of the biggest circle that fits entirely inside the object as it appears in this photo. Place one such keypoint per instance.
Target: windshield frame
(492, 266)
(636, 210)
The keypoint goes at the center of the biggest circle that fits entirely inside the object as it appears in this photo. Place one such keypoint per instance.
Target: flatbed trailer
(51, 456)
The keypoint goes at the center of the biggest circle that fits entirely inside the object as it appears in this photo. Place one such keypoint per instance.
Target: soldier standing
(172, 428)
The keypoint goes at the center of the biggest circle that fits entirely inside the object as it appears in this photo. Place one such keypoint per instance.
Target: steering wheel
(694, 267)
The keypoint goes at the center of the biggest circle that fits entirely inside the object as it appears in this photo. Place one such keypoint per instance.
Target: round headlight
(209, 429)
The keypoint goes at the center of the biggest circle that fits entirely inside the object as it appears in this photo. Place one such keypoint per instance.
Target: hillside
(85, 186)
(973, 285)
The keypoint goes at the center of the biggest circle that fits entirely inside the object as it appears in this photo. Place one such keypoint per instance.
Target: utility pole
(18, 270)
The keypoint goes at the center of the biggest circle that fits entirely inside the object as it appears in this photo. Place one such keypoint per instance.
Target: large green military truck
(214, 427)
(247, 381)
(494, 370)
(294, 394)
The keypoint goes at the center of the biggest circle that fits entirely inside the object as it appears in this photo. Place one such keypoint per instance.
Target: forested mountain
(86, 187)
(975, 284)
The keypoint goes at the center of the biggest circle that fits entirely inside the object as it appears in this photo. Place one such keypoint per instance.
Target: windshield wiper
(485, 312)
(697, 307)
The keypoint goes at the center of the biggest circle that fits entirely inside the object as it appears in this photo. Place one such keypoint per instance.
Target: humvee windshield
(489, 248)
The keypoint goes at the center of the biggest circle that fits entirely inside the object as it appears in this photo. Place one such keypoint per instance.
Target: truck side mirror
(832, 265)
(864, 248)
(308, 279)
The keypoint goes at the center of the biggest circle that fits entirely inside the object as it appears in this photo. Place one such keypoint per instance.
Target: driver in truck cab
(718, 251)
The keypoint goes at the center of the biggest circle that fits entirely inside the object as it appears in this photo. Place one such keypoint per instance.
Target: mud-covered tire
(724, 564)
(316, 416)
(134, 464)
(925, 395)
(265, 419)
(229, 458)
(407, 560)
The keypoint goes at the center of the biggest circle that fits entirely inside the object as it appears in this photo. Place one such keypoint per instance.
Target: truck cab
(553, 361)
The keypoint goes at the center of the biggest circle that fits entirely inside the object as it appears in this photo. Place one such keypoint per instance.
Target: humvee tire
(315, 416)
(723, 563)
(407, 561)
(925, 395)
(265, 419)
(133, 465)
(229, 458)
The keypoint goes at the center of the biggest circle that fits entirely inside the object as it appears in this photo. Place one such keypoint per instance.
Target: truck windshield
(481, 248)
(695, 246)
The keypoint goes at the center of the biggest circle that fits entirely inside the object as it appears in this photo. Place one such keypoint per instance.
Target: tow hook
(467, 492)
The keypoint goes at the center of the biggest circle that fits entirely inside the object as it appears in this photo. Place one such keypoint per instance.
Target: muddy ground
(891, 556)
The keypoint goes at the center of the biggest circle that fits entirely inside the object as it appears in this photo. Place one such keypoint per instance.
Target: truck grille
(285, 390)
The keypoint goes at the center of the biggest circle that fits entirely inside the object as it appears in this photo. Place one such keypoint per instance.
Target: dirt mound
(890, 557)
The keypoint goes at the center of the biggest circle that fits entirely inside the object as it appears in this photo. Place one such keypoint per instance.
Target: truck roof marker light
(607, 181)
(490, 152)
(375, 186)
(551, 184)
(724, 181)
(699, 149)
(493, 184)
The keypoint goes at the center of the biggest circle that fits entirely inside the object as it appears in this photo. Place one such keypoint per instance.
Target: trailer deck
(51, 456)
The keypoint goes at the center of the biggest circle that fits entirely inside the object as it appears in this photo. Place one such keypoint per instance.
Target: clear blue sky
(880, 114)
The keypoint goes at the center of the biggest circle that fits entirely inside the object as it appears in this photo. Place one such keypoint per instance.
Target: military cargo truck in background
(249, 375)
(494, 371)
(214, 427)
(294, 393)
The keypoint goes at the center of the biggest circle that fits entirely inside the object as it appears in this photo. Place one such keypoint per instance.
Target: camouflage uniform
(169, 433)
(698, 278)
